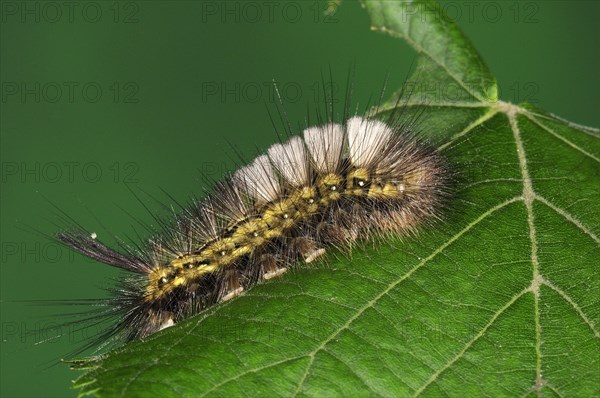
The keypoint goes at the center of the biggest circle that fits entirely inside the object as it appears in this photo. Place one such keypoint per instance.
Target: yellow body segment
(270, 222)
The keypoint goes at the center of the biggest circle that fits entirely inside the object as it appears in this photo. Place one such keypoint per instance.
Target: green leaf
(501, 299)
(449, 64)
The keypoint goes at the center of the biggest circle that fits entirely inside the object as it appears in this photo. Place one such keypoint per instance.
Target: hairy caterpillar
(334, 185)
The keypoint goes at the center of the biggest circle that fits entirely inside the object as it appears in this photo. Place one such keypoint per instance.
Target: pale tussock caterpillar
(337, 183)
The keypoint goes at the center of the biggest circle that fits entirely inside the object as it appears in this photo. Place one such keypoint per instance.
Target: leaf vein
(528, 197)
(560, 137)
(572, 303)
(482, 119)
(568, 217)
(471, 342)
(253, 370)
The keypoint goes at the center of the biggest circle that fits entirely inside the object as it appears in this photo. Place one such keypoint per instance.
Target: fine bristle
(259, 179)
(367, 140)
(290, 160)
(325, 144)
(86, 244)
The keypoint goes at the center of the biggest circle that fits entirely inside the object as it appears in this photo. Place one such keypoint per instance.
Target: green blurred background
(98, 96)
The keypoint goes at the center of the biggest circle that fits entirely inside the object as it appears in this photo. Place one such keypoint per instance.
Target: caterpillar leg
(269, 266)
(314, 255)
(232, 286)
(167, 324)
(233, 293)
(275, 274)
(306, 248)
